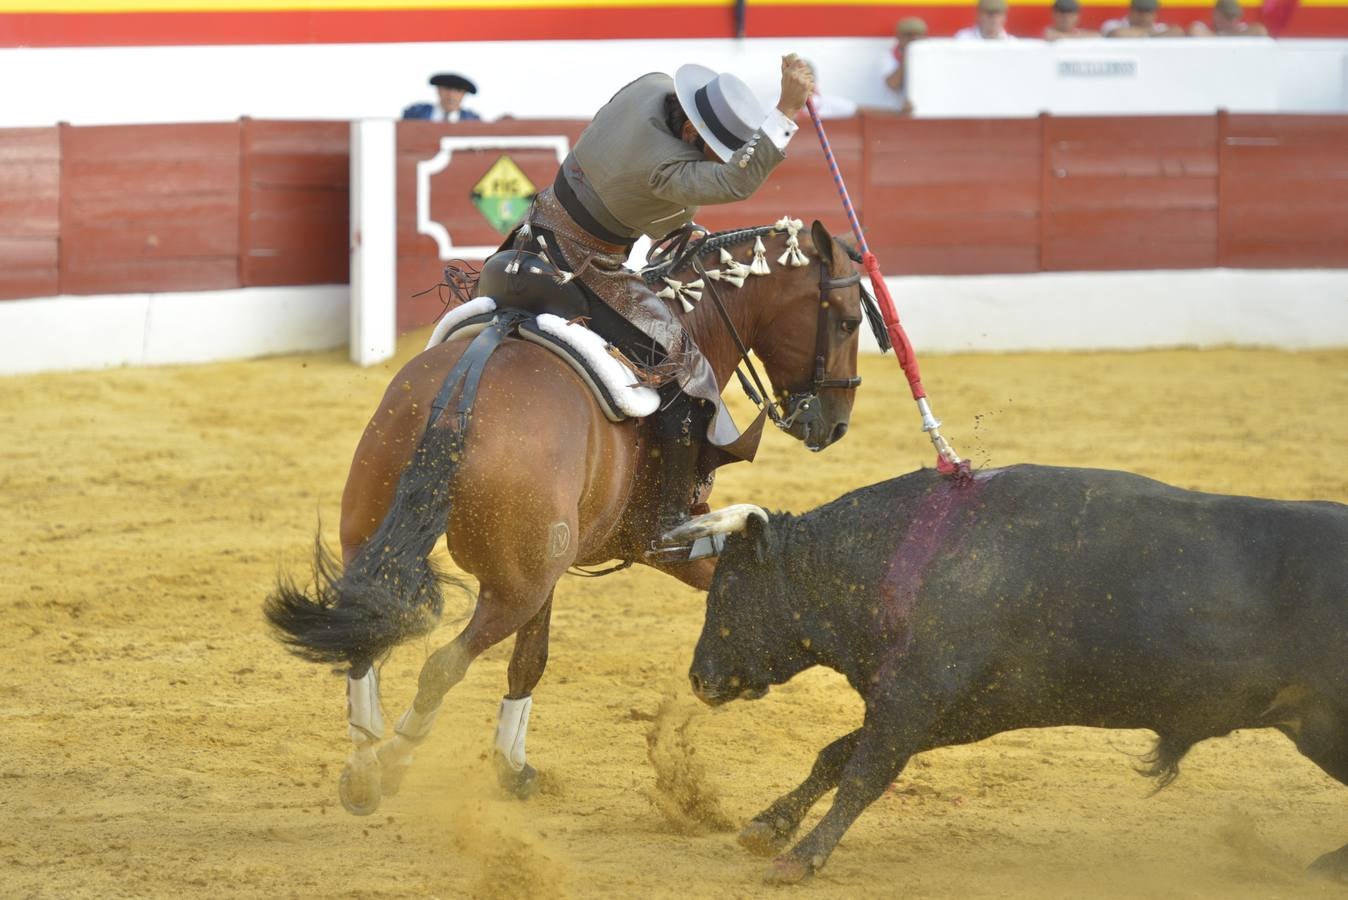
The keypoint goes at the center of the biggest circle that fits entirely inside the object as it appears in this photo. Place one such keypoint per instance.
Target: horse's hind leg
(1321, 733)
(527, 662)
(360, 787)
(497, 616)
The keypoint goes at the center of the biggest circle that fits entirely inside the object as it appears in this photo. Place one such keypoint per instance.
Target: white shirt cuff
(779, 128)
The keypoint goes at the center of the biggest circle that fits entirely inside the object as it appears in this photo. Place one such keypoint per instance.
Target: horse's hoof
(522, 784)
(359, 788)
(761, 839)
(787, 870)
(395, 758)
(1333, 865)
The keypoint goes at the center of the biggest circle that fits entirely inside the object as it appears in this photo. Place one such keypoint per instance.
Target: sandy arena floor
(158, 743)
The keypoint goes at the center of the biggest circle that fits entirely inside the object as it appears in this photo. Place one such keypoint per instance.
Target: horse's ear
(823, 242)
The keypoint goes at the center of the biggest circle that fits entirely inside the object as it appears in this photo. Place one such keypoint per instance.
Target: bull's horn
(719, 521)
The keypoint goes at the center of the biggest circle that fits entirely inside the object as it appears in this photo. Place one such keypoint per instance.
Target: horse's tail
(391, 590)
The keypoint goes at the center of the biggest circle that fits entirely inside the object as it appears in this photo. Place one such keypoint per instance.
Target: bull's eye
(848, 326)
(725, 632)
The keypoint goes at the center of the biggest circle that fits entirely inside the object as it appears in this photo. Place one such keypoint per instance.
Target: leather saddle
(520, 279)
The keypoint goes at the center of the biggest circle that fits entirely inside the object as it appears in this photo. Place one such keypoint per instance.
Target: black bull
(1033, 597)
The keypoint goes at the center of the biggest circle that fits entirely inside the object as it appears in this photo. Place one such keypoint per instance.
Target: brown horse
(541, 481)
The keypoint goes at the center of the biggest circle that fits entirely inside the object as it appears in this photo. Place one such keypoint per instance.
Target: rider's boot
(679, 432)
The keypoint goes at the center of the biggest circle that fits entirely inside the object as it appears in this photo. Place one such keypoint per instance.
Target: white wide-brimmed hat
(721, 107)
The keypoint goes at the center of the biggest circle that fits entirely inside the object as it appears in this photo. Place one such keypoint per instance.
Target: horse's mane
(677, 253)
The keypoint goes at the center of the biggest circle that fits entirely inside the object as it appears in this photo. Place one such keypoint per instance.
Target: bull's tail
(390, 592)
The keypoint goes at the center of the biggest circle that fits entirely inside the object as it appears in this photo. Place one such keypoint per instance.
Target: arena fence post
(374, 241)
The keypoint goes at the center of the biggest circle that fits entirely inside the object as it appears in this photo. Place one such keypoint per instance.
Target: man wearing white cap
(658, 150)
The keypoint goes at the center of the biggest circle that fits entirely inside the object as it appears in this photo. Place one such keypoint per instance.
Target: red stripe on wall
(365, 26)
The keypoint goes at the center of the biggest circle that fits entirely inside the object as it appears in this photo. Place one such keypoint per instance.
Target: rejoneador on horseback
(570, 413)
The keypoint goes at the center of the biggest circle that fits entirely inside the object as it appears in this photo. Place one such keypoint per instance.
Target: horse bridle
(798, 404)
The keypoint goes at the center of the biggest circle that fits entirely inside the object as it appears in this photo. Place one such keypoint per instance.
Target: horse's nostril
(695, 682)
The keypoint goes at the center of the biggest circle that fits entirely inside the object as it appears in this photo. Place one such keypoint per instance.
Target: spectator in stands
(1065, 14)
(1226, 22)
(829, 107)
(895, 68)
(452, 89)
(990, 24)
(1141, 22)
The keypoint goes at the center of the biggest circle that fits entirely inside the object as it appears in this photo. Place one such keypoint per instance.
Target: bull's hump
(933, 524)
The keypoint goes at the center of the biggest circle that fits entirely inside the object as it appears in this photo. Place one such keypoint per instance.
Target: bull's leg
(527, 662)
(909, 697)
(1322, 735)
(497, 616)
(768, 832)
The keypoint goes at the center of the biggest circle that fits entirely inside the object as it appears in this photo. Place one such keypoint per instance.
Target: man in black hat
(452, 89)
(1065, 15)
(658, 150)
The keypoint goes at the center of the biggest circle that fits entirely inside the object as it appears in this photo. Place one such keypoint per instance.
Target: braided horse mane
(679, 251)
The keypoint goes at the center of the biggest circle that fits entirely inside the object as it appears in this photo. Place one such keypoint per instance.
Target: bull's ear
(758, 533)
(823, 241)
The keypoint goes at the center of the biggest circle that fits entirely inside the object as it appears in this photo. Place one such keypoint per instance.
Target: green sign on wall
(503, 195)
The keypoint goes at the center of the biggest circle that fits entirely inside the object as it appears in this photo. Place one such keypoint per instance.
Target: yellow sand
(156, 741)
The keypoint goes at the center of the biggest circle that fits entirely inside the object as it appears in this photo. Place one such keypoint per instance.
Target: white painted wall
(97, 332)
(1293, 310)
(1287, 309)
(1126, 77)
(571, 79)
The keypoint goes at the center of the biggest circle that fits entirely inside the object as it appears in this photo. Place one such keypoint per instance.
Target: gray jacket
(636, 177)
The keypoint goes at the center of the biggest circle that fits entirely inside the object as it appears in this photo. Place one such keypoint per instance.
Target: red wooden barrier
(1284, 189)
(197, 207)
(955, 196)
(30, 222)
(1134, 193)
(295, 206)
(149, 208)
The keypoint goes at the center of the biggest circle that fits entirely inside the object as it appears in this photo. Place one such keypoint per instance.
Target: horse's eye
(849, 325)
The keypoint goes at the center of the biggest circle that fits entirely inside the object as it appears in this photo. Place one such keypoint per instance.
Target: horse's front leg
(527, 662)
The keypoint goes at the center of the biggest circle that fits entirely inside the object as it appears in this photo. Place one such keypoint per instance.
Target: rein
(797, 402)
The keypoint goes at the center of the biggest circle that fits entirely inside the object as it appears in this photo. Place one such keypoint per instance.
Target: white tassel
(732, 270)
(684, 293)
(760, 264)
(792, 256)
(733, 277)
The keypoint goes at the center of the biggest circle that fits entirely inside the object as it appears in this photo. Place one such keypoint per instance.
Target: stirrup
(701, 548)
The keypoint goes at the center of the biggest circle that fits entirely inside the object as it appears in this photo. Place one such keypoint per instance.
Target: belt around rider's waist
(566, 196)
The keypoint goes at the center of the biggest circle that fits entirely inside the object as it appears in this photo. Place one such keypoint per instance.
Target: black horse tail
(391, 591)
